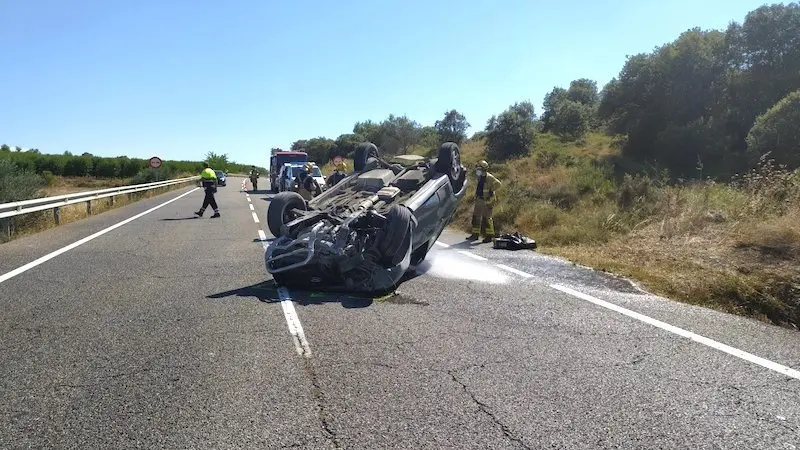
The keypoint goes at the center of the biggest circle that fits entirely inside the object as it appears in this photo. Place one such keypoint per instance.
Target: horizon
(164, 80)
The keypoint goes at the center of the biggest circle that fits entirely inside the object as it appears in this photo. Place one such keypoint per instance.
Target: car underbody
(363, 234)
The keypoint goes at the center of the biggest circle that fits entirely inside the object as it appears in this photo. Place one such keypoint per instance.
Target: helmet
(482, 164)
(308, 167)
(341, 166)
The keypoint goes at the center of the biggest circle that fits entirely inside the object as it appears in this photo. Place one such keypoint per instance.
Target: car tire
(279, 208)
(449, 162)
(395, 236)
(364, 153)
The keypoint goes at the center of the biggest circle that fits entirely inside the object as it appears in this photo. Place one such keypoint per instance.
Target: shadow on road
(180, 218)
(267, 292)
(267, 241)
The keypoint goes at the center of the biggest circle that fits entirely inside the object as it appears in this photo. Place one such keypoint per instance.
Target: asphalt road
(167, 332)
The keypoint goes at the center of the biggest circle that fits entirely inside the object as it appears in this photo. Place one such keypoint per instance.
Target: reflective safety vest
(208, 174)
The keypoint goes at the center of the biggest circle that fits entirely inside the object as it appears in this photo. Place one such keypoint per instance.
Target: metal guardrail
(12, 209)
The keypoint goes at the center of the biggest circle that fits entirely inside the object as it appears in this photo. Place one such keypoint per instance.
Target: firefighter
(254, 177)
(485, 197)
(305, 184)
(339, 174)
(208, 178)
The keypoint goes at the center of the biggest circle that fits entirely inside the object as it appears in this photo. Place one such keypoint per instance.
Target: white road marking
(513, 270)
(255, 217)
(262, 236)
(784, 370)
(472, 255)
(251, 207)
(49, 256)
(442, 244)
(248, 199)
(295, 328)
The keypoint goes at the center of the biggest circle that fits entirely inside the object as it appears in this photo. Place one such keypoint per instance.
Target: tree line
(86, 164)
(710, 103)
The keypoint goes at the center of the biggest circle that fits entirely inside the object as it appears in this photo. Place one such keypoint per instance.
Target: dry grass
(35, 222)
(731, 247)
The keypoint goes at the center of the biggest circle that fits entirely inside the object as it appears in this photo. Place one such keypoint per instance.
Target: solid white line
(442, 244)
(255, 217)
(69, 247)
(262, 236)
(293, 321)
(472, 255)
(784, 370)
(251, 207)
(513, 270)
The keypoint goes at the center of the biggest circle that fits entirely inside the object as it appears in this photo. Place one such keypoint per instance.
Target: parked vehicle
(277, 161)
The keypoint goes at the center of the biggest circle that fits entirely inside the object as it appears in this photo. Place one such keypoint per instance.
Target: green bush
(17, 184)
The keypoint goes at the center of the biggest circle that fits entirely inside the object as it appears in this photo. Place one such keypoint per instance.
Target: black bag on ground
(514, 241)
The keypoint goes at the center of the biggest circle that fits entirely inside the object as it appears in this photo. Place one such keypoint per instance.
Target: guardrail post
(8, 225)
(89, 208)
(57, 215)
(111, 200)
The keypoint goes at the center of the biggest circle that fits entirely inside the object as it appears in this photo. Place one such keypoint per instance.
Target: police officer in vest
(208, 178)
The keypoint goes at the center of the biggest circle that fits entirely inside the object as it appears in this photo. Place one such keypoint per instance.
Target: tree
(398, 134)
(5, 148)
(549, 105)
(512, 133)
(17, 149)
(571, 119)
(452, 128)
(583, 91)
(345, 144)
(369, 130)
(217, 161)
(299, 145)
(319, 149)
(777, 131)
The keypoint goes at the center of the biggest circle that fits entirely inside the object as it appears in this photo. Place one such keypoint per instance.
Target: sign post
(155, 163)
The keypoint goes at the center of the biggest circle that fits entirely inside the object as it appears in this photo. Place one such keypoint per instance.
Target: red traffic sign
(155, 162)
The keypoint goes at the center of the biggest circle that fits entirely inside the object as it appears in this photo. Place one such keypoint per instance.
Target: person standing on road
(305, 184)
(254, 177)
(339, 174)
(208, 178)
(485, 196)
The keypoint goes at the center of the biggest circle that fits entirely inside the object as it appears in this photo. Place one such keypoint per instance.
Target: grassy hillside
(734, 247)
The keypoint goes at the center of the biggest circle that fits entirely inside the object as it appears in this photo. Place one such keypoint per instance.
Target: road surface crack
(319, 398)
(484, 408)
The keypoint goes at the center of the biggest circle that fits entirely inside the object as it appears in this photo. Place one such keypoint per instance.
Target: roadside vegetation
(680, 173)
(29, 174)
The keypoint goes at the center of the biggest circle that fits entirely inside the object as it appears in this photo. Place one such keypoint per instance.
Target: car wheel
(280, 210)
(449, 162)
(395, 237)
(364, 153)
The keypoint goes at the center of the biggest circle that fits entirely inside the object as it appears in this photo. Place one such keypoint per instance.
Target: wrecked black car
(363, 234)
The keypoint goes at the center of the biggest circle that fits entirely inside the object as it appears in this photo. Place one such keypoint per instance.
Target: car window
(317, 172)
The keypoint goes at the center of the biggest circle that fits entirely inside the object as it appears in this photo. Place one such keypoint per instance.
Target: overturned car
(363, 234)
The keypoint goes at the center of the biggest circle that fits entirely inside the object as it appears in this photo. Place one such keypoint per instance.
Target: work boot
(487, 239)
(472, 237)
(216, 214)
(200, 213)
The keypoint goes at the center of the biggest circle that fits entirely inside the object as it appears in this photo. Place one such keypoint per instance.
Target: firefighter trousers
(482, 221)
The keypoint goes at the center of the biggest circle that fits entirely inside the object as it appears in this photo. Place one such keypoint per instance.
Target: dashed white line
(472, 255)
(784, 370)
(513, 270)
(262, 236)
(248, 199)
(52, 255)
(295, 327)
(251, 207)
(255, 217)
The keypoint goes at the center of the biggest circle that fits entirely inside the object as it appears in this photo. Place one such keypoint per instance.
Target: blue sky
(177, 78)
